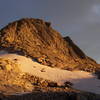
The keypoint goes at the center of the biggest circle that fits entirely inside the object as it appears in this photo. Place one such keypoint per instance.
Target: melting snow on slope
(82, 80)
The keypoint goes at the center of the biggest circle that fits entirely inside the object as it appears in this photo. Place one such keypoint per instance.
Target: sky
(79, 19)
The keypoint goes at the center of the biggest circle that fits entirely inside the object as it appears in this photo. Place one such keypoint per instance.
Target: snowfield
(81, 80)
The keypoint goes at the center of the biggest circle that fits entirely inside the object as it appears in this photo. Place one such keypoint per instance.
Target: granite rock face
(37, 39)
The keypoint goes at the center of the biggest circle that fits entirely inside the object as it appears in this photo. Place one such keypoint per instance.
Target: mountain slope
(37, 39)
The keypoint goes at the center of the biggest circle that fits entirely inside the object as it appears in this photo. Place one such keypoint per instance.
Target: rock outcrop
(13, 80)
(37, 39)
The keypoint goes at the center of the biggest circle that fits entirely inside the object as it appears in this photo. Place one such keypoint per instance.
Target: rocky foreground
(37, 40)
(16, 84)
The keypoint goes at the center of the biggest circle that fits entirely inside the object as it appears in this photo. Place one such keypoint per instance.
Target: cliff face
(37, 39)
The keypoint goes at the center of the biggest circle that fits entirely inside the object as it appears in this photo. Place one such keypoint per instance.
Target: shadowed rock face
(52, 96)
(37, 39)
(74, 50)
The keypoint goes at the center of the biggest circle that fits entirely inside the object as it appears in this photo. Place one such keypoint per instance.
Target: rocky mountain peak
(37, 39)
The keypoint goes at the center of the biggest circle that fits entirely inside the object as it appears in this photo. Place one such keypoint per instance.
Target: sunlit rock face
(37, 39)
(11, 78)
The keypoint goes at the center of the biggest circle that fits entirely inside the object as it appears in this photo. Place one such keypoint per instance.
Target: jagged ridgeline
(37, 39)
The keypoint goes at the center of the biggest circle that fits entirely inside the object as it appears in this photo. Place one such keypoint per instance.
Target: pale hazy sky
(80, 19)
